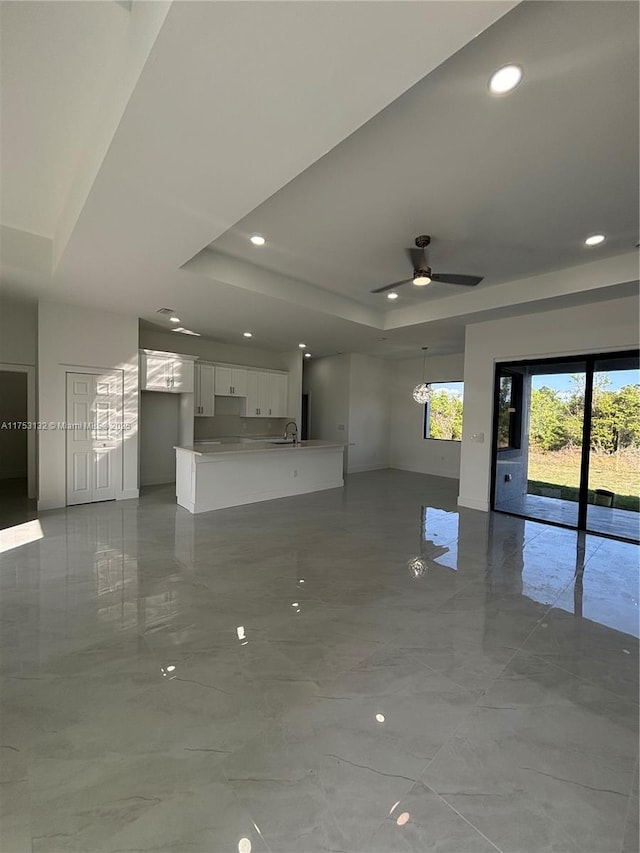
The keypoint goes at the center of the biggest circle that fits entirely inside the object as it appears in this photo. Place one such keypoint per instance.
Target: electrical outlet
(295, 472)
(341, 427)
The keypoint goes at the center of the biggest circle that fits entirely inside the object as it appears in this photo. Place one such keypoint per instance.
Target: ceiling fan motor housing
(425, 269)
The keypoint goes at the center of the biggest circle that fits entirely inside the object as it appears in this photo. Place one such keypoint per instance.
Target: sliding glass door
(566, 443)
(614, 459)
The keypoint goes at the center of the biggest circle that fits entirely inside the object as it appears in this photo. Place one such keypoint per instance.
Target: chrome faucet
(294, 432)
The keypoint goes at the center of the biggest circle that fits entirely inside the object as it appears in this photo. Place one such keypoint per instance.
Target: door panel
(614, 471)
(80, 474)
(223, 381)
(157, 373)
(93, 437)
(253, 398)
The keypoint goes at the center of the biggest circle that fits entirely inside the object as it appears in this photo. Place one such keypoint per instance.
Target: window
(443, 413)
(509, 405)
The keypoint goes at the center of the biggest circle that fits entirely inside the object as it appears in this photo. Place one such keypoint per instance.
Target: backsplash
(221, 425)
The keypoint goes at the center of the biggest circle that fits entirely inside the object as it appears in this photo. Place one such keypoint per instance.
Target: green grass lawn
(560, 470)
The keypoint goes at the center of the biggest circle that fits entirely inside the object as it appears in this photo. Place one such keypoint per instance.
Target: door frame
(119, 461)
(589, 360)
(32, 458)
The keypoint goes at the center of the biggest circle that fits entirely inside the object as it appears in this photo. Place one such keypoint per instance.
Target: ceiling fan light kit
(422, 272)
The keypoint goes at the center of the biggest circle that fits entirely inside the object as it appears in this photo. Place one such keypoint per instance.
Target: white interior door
(94, 406)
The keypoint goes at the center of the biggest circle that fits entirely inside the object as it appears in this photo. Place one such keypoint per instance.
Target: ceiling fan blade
(417, 257)
(447, 278)
(390, 286)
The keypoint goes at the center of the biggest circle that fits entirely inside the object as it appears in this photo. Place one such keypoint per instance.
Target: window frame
(514, 410)
(426, 412)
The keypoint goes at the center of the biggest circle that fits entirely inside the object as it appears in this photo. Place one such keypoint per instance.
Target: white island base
(219, 476)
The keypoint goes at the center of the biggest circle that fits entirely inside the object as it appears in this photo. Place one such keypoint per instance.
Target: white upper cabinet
(204, 391)
(266, 394)
(278, 388)
(167, 372)
(231, 382)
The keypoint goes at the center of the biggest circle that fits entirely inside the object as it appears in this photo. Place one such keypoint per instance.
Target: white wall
(212, 350)
(603, 327)
(368, 413)
(13, 442)
(159, 430)
(408, 450)
(293, 363)
(18, 330)
(327, 382)
(349, 402)
(72, 337)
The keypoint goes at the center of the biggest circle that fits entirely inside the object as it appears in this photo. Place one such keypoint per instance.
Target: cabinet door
(204, 399)
(182, 376)
(239, 382)
(264, 394)
(253, 395)
(156, 372)
(278, 395)
(207, 390)
(224, 381)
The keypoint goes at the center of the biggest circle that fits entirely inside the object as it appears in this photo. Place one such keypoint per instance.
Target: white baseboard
(360, 469)
(426, 473)
(472, 503)
(128, 494)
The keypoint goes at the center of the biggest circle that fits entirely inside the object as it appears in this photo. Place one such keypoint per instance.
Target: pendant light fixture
(422, 392)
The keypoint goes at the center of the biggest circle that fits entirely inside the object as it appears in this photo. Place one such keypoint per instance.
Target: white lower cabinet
(204, 405)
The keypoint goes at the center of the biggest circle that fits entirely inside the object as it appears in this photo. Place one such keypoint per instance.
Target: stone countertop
(256, 447)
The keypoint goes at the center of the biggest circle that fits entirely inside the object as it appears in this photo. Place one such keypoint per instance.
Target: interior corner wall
(71, 337)
(408, 450)
(327, 382)
(368, 416)
(601, 327)
(18, 331)
(292, 361)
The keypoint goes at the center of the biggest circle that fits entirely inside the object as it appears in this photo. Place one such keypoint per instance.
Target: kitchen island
(215, 476)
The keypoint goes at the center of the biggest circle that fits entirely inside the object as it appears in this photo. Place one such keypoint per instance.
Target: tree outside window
(443, 413)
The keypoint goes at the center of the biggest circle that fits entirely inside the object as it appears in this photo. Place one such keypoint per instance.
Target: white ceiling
(55, 61)
(237, 120)
(507, 186)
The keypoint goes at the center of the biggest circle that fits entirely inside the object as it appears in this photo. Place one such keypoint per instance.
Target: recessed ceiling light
(247, 334)
(421, 278)
(595, 240)
(302, 346)
(175, 319)
(307, 355)
(258, 240)
(505, 79)
(392, 295)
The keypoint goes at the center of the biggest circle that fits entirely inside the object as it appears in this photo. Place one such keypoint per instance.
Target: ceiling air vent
(164, 311)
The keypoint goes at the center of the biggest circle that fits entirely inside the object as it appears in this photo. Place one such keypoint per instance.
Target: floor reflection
(294, 664)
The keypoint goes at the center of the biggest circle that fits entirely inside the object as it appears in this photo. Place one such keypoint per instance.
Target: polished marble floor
(365, 669)
(610, 521)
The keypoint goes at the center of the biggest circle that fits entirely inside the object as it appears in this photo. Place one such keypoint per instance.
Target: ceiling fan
(422, 274)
